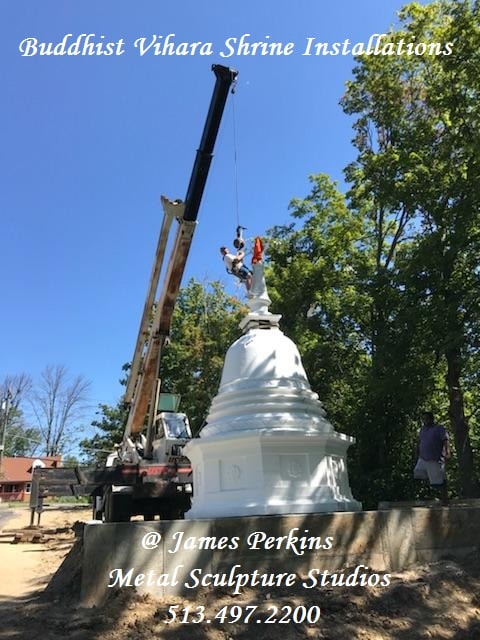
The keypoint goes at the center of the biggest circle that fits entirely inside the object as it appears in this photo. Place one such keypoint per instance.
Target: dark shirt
(431, 440)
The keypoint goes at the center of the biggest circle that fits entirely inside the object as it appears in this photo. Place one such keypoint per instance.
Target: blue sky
(89, 143)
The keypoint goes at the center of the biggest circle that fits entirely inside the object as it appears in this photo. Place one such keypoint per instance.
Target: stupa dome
(264, 386)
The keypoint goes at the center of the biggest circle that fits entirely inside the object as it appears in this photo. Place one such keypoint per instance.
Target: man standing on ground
(432, 451)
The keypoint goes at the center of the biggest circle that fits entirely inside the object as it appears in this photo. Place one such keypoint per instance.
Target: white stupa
(267, 447)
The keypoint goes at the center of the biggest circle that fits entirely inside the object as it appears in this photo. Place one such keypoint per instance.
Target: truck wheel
(173, 509)
(97, 507)
(166, 513)
(117, 507)
(97, 513)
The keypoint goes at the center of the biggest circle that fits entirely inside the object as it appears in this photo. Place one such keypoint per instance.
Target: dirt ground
(439, 601)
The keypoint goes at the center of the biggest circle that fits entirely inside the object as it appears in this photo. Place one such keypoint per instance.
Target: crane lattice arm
(142, 388)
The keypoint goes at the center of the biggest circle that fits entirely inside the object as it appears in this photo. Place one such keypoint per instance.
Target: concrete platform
(159, 557)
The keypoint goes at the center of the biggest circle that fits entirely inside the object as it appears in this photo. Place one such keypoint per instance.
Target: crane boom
(142, 385)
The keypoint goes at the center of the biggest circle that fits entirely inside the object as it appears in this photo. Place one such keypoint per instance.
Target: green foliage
(205, 324)
(381, 291)
(110, 425)
(344, 309)
(20, 439)
(70, 461)
(311, 279)
(71, 500)
(416, 177)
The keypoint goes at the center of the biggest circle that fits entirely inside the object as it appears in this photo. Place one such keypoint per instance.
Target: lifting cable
(235, 160)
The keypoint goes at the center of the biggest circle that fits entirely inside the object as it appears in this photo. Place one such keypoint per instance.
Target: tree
(313, 267)
(331, 278)
(20, 439)
(58, 403)
(417, 174)
(111, 424)
(205, 324)
(70, 461)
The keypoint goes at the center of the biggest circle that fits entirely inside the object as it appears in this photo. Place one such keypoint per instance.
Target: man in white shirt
(235, 266)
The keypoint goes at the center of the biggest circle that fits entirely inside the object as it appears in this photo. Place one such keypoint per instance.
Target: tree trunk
(469, 482)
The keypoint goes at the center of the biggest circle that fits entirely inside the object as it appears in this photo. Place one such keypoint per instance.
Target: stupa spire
(258, 298)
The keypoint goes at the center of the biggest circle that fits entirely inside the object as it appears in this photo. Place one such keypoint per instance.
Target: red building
(16, 476)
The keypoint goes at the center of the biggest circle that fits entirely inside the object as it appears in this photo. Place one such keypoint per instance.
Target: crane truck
(148, 474)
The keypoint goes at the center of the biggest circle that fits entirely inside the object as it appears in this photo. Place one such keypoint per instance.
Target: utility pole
(5, 409)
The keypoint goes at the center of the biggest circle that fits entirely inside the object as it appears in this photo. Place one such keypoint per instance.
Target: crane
(147, 474)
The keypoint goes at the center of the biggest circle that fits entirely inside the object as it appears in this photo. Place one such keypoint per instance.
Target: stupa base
(269, 472)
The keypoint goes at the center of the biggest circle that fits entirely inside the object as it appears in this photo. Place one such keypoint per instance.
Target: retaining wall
(384, 540)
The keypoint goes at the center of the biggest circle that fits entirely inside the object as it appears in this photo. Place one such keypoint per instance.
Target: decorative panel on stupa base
(264, 473)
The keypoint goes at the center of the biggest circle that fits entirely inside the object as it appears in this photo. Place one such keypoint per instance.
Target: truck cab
(172, 432)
